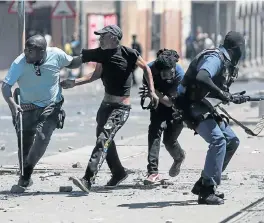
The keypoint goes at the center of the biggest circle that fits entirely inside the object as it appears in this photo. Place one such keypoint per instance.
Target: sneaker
(24, 182)
(83, 184)
(197, 188)
(152, 179)
(175, 168)
(116, 180)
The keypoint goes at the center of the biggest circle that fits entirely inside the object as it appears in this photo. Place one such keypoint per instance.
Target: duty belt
(29, 107)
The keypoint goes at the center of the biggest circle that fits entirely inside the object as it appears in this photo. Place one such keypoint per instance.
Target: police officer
(37, 72)
(210, 74)
(166, 76)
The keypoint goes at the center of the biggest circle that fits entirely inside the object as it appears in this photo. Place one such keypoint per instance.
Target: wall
(8, 36)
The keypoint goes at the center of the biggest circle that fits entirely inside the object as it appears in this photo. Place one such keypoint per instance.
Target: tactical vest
(196, 92)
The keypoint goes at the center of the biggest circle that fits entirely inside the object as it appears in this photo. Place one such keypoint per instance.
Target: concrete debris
(81, 113)
(46, 175)
(77, 165)
(65, 189)
(224, 177)
(17, 189)
(2, 148)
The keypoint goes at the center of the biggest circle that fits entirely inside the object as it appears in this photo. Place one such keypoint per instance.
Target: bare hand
(154, 99)
(15, 109)
(67, 84)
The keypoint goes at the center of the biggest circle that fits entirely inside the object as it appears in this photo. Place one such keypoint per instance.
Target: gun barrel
(256, 98)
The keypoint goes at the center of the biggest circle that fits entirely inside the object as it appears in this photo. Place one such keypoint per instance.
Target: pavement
(242, 184)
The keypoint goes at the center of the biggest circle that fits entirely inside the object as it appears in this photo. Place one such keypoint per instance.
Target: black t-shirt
(117, 65)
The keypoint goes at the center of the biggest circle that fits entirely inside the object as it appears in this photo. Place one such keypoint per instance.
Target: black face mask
(231, 74)
(237, 53)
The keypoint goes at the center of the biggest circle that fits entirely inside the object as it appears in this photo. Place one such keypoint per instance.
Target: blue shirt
(39, 90)
(211, 63)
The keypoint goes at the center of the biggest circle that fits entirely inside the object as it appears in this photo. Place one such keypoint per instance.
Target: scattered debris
(81, 113)
(70, 147)
(2, 148)
(254, 176)
(77, 165)
(165, 186)
(241, 184)
(65, 189)
(245, 178)
(17, 189)
(60, 150)
(185, 193)
(122, 137)
(224, 177)
(255, 151)
(169, 221)
(46, 175)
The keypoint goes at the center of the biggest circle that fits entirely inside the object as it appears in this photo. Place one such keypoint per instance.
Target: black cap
(234, 39)
(114, 29)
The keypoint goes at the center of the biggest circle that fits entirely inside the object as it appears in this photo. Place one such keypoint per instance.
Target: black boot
(25, 181)
(207, 196)
(197, 187)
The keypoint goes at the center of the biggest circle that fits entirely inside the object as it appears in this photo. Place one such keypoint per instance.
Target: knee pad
(233, 144)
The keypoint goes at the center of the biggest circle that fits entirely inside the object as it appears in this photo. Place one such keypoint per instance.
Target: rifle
(240, 96)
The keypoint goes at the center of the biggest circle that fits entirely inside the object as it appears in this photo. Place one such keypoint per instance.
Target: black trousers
(38, 127)
(110, 118)
(161, 121)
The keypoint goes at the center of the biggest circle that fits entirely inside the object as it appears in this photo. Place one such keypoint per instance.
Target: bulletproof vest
(194, 90)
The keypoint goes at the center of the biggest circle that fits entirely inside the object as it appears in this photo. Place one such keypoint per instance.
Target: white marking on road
(12, 154)
(6, 117)
(133, 156)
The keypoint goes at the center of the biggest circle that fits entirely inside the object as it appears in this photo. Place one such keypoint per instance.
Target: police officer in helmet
(210, 74)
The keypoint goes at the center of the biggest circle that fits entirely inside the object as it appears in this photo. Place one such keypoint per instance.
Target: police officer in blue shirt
(166, 76)
(37, 73)
(210, 74)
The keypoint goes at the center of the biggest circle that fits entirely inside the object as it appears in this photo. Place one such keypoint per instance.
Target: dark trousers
(161, 122)
(38, 126)
(110, 118)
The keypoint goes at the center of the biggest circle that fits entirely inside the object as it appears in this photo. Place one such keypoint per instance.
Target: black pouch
(61, 118)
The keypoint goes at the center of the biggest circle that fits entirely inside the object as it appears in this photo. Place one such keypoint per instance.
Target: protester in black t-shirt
(115, 64)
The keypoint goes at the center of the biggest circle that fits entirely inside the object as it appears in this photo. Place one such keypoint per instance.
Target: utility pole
(81, 31)
(118, 12)
(217, 21)
(21, 25)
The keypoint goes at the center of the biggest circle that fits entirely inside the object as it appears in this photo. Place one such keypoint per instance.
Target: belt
(29, 107)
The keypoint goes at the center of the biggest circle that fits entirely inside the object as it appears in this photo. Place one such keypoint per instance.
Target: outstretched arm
(95, 75)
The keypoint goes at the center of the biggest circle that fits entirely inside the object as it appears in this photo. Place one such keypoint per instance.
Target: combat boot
(207, 196)
(197, 187)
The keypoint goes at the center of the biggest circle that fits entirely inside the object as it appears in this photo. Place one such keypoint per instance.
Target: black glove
(225, 96)
(239, 99)
(144, 93)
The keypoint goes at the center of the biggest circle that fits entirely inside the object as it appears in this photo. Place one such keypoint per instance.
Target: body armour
(196, 92)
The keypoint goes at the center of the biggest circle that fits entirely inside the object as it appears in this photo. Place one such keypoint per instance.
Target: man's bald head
(36, 41)
(35, 49)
